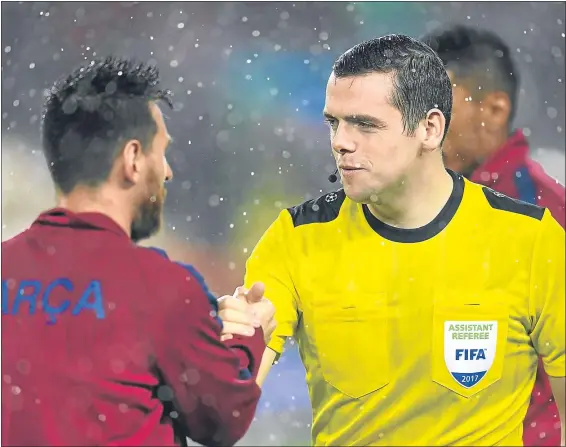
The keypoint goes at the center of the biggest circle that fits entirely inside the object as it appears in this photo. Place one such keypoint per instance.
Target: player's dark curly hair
(92, 112)
(477, 55)
(420, 80)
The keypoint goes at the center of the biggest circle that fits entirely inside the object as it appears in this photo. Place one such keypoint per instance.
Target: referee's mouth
(350, 167)
(349, 171)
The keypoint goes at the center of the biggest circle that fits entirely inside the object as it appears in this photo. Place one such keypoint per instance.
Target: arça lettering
(30, 291)
(470, 354)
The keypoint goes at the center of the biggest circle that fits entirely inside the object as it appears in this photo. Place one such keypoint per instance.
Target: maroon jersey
(108, 343)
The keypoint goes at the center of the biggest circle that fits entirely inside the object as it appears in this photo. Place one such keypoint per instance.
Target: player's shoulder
(13, 241)
(175, 278)
(156, 262)
(322, 209)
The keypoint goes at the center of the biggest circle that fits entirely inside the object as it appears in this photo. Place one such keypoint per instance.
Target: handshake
(245, 311)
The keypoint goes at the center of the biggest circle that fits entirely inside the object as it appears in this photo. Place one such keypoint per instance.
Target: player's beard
(149, 213)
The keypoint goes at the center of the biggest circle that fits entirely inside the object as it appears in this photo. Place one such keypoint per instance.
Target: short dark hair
(477, 54)
(90, 113)
(420, 80)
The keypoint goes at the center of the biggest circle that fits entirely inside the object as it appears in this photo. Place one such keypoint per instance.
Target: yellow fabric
(371, 317)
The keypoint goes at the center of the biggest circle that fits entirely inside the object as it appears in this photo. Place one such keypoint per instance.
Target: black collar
(429, 230)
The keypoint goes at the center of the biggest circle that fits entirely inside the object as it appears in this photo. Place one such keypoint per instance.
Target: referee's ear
(433, 130)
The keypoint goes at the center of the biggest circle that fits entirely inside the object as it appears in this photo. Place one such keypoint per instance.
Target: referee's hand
(262, 308)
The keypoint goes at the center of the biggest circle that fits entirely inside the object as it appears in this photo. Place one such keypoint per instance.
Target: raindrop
(32, 65)
(174, 63)
(164, 393)
(255, 33)
(180, 25)
(7, 49)
(556, 51)
(191, 376)
(23, 366)
(551, 112)
(214, 200)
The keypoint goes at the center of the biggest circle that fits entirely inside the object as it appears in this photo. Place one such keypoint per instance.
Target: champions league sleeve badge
(469, 349)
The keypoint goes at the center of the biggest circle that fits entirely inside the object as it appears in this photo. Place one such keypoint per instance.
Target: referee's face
(372, 152)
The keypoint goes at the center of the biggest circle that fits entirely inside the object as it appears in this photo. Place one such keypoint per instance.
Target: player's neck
(99, 200)
(417, 200)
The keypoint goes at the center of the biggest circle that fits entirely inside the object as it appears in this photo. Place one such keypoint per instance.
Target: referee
(420, 300)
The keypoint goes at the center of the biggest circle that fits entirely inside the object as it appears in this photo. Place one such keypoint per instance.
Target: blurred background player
(105, 342)
(483, 145)
(407, 257)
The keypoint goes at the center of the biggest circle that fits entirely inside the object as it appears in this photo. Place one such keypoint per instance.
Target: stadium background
(248, 82)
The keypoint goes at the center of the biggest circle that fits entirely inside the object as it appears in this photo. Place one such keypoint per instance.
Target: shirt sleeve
(547, 304)
(204, 378)
(270, 263)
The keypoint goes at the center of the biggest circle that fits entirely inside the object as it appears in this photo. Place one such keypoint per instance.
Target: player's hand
(262, 308)
(237, 317)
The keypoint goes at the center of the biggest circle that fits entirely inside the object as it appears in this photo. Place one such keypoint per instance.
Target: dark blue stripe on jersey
(211, 298)
(526, 189)
(245, 374)
(160, 252)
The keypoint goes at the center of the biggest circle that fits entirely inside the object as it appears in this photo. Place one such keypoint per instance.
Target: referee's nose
(341, 141)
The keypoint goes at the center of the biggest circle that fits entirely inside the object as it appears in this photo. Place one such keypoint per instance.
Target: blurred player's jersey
(511, 171)
(418, 337)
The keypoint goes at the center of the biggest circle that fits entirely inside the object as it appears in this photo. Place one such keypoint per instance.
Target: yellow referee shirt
(427, 336)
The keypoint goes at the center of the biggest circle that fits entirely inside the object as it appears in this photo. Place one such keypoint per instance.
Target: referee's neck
(416, 200)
